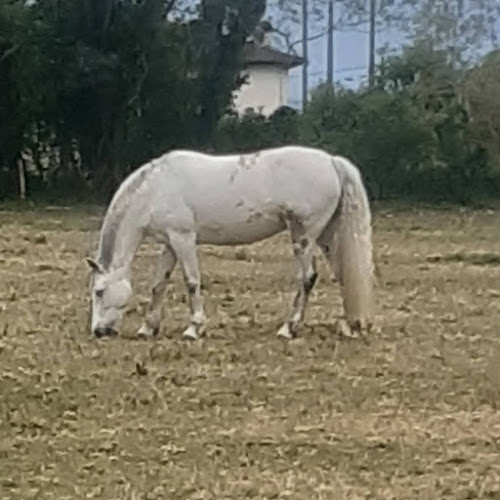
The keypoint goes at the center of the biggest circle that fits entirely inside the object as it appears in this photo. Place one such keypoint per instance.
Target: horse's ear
(93, 265)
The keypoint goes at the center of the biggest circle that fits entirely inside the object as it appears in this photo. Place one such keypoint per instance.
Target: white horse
(189, 198)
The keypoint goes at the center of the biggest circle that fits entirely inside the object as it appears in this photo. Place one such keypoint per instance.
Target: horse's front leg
(307, 275)
(184, 246)
(166, 264)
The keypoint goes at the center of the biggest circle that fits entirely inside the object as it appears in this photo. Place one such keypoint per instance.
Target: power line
(340, 70)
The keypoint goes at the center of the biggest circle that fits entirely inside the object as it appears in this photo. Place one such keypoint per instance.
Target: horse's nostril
(111, 332)
(105, 332)
(98, 332)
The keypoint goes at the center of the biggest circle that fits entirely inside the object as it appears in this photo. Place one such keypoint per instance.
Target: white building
(267, 72)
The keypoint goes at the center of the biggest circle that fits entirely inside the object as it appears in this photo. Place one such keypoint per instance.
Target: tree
(222, 30)
(127, 80)
(24, 77)
(429, 75)
(383, 133)
(463, 27)
(254, 131)
(482, 88)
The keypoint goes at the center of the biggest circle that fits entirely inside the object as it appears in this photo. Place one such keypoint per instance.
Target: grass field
(414, 413)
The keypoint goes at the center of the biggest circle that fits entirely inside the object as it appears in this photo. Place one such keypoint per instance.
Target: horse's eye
(99, 293)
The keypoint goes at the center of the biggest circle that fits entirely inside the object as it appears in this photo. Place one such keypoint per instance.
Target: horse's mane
(117, 211)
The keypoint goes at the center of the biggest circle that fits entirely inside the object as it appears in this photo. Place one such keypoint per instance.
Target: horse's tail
(352, 251)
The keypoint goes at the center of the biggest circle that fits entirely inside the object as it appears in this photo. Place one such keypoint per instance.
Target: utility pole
(305, 20)
(329, 51)
(371, 49)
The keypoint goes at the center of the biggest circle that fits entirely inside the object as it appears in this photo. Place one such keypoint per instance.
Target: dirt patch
(475, 258)
(412, 414)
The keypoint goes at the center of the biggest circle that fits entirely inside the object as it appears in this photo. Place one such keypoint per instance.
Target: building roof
(263, 54)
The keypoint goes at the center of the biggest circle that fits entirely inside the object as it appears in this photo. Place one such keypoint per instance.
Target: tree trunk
(22, 178)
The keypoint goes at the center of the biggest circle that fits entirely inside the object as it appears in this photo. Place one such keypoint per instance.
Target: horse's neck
(127, 237)
(127, 242)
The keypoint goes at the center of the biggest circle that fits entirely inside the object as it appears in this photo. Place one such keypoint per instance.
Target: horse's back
(291, 155)
(277, 174)
(247, 197)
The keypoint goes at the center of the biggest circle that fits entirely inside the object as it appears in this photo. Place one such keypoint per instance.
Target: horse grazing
(188, 198)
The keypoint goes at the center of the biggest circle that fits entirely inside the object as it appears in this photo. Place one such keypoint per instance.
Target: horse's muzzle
(105, 332)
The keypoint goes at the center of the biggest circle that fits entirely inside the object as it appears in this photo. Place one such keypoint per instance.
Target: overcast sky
(350, 63)
(350, 56)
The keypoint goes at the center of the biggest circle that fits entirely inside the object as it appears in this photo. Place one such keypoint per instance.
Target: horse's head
(110, 292)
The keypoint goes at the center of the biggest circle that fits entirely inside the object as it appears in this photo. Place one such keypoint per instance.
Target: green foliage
(482, 88)
(24, 70)
(412, 135)
(118, 79)
(255, 131)
(381, 132)
(115, 82)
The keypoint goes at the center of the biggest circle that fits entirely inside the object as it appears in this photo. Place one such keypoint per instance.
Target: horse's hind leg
(325, 243)
(303, 250)
(184, 245)
(166, 265)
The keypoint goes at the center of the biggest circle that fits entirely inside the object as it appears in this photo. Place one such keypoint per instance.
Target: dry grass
(413, 414)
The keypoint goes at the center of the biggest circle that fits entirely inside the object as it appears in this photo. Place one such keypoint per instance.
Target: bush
(407, 146)
(382, 133)
(255, 131)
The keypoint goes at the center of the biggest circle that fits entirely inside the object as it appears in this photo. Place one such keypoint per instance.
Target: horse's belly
(255, 228)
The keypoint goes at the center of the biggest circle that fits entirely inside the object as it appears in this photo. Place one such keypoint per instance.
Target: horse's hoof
(285, 333)
(345, 330)
(147, 332)
(190, 333)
